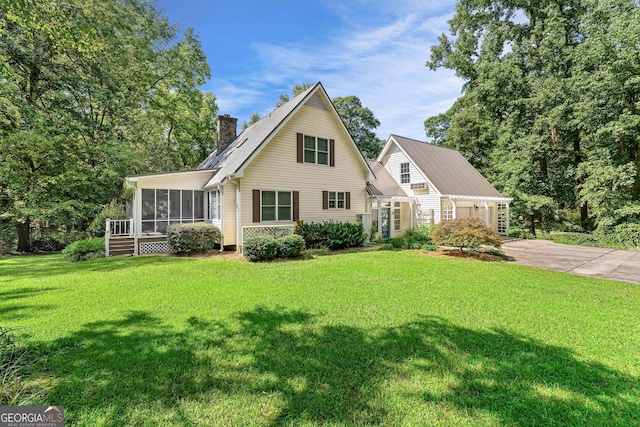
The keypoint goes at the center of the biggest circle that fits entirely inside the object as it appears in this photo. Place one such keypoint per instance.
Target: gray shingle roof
(385, 185)
(451, 173)
(245, 144)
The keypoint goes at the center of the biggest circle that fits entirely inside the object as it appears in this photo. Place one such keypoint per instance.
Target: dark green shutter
(296, 205)
(300, 148)
(332, 152)
(256, 205)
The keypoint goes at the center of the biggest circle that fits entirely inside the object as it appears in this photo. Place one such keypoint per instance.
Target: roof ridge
(430, 144)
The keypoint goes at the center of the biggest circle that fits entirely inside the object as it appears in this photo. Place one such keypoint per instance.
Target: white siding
(229, 214)
(427, 200)
(276, 168)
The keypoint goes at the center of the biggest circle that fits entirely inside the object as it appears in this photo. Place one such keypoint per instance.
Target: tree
(549, 90)
(90, 93)
(360, 122)
(255, 118)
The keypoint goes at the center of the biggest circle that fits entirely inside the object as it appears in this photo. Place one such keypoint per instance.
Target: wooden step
(121, 246)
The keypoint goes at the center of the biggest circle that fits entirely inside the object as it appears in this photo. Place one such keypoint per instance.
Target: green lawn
(390, 338)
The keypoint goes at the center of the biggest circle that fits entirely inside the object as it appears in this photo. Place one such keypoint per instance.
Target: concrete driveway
(586, 261)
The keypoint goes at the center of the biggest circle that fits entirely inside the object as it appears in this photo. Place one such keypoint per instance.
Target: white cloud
(384, 65)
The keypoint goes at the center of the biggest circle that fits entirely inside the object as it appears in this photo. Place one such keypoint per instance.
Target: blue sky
(373, 49)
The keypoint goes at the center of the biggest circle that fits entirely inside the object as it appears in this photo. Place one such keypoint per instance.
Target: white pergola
(482, 200)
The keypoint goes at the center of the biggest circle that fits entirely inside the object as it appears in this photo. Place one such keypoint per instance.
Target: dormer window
(405, 177)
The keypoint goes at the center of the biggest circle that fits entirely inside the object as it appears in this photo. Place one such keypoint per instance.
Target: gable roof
(445, 168)
(385, 185)
(239, 153)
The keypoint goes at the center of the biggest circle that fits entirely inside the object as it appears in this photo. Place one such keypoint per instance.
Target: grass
(377, 338)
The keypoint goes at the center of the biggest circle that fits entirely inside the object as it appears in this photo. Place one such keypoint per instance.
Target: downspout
(410, 214)
(221, 214)
(137, 214)
(238, 215)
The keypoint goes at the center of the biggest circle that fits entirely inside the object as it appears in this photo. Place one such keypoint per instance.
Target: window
(447, 210)
(316, 150)
(405, 178)
(275, 205)
(396, 216)
(161, 207)
(336, 200)
(214, 205)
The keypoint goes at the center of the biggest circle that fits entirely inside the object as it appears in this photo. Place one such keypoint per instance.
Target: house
(421, 183)
(297, 163)
(300, 163)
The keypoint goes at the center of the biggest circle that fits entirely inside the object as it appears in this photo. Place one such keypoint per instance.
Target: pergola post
(507, 216)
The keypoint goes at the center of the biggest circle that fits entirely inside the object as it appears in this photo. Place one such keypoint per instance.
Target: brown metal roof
(385, 185)
(451, 173)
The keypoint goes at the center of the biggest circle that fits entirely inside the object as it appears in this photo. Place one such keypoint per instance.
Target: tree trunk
(584, 216)
(23, 236)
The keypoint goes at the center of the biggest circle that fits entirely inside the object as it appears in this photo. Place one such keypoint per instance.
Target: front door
(385, 215)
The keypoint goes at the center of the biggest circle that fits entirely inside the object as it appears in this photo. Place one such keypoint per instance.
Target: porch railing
(119, 227)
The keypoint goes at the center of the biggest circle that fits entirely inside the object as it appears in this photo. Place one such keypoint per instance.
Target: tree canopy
(549, 110)
(90, 93)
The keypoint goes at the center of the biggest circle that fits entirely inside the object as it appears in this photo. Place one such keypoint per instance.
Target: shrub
(290, 246)
(521, 234)
(192, 238)
(628, 234)
(83, 250)
(333, 235)
(261, 248)
(7, 237)
(465, 232)
(429, 247)
(420, 235)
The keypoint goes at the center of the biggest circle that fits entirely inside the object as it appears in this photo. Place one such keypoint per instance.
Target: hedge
(332, 235)
(290, 246)
(261, 248)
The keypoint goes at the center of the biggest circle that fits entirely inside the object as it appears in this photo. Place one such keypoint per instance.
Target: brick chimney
(227, 128)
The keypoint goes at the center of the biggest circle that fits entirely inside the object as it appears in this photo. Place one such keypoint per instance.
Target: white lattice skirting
(154, 247)
(273, 231)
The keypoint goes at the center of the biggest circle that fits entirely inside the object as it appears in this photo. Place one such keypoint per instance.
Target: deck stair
(121, 246)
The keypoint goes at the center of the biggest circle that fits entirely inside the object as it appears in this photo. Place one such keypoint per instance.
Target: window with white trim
(405, 177)
(275, 205)
(161, 208)
(336, 200)
(316, 150)
(214, 205)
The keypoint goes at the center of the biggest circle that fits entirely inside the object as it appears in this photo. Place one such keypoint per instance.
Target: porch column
(453, 211)
(378, 204)
(507, 214)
